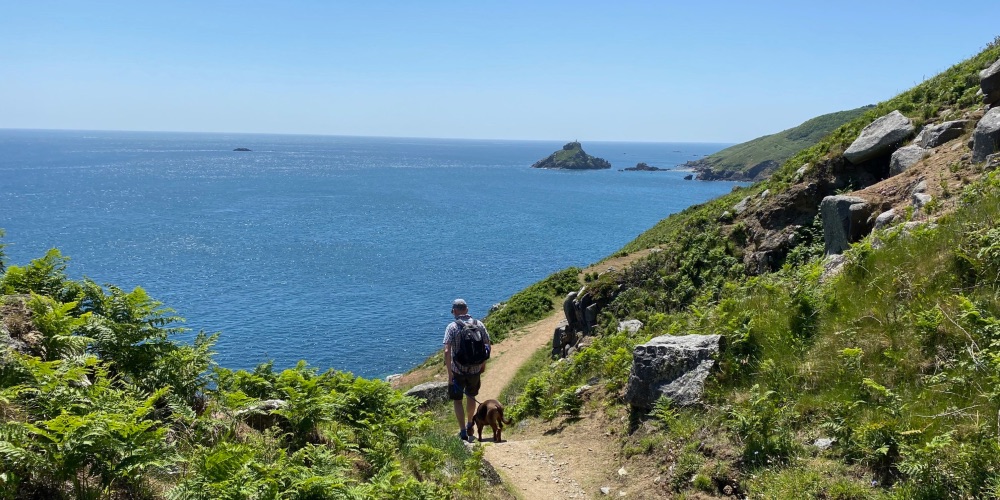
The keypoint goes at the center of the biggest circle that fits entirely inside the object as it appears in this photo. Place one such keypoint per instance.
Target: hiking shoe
(464, 436)
(468, 430)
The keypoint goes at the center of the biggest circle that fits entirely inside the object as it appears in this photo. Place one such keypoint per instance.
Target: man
(462, 379)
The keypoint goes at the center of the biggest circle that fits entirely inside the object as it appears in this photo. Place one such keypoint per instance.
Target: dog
(490, 412)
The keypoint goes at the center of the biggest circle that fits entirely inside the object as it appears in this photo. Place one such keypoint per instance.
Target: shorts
(464, 384)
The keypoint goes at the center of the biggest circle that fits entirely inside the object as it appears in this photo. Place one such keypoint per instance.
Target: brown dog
(490, 412)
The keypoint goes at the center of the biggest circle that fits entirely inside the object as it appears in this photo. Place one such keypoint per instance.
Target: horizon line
(351, 136)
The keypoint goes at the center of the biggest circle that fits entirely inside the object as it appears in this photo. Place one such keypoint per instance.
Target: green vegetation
(896, 359)
(100, 401)
(895, 362)
(770, 151)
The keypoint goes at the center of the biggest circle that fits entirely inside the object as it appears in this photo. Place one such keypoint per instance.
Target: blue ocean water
(344, 251)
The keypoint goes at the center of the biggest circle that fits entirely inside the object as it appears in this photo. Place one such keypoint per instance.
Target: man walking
(464, 378)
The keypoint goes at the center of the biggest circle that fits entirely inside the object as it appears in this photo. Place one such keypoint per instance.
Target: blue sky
(589, 70)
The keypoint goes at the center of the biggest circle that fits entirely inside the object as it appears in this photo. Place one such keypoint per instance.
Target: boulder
(632, 326)
(741, 206)
(932, 137)
(832, 266)
(689, 177)
(261, 416)
(671, 366)
(880, 137)
(886, 219)
(905, 157)
(921, 199)
(432, 392)
(992, 162)
(986, 138)
(989, 78)
(845, 220)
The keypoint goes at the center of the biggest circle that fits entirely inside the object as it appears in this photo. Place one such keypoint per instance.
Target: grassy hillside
(754, 160)
(895, 361)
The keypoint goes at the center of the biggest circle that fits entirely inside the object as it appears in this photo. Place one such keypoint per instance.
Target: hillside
(855, 295)
(866, 373)
(756, 159)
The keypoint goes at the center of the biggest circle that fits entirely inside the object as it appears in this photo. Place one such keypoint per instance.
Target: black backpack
(472, 349)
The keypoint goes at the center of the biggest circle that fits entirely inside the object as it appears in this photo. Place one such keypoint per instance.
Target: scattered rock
(921, 199)
(765, 194)
(632, 326)
(932, 137)
(671, 366)
(394, 377)
(261, 415)
(885, 219)
(920, 187)
(986, 138)
(622, 472)
(824, 443)
(905, 157)
(489, 473)
(845, 220)
(832, 267)
(741, 206)
(605, 490)
(431, 392)
(992, 162)
(880, 137)
(801, 172)
(688, 177)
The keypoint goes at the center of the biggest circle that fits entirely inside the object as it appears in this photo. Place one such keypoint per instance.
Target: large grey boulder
(880, 137)
(932, 137)
(886, 219)
(905, 157)
(432, 392)
(986, 138)
(671, 366)
(989, 78)
(631, 326)
(845, 220)
(261, 415)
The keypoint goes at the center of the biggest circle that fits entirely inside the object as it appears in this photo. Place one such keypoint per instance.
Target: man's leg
(470, 410)
(459, 415)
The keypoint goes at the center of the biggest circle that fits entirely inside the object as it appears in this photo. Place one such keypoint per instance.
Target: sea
(345, 252)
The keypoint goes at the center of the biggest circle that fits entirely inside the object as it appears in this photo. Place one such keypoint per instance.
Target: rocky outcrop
(934, 136)
(845, 220)
(757, 172)
(689, 177)
(986, 138)
(671, 366)
(431, 392)
(261, 415)
(643, 167)
(572, 157)
(905, 157)
(242, 149)
(989, 83)
(881, 136)
(631, 326)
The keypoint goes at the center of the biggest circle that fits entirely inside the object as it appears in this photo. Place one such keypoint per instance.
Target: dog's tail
(503, 420)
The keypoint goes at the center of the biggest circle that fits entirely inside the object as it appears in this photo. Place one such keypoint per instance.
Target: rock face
(880, 137)
(905, 157)
(572, 157)
(986, 138)
(671, 366)
(937, 135)
(642, 167)
(432, 392)
(845, 220)
(989, 82)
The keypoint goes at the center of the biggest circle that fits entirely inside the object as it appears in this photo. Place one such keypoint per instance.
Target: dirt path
(544, 460)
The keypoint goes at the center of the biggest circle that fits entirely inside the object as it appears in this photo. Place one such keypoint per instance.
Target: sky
(660, 71)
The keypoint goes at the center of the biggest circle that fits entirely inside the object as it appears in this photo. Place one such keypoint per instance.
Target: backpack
(472, 348)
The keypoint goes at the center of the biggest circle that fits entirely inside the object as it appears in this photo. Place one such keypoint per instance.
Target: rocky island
(643, 167)
(242, 149)
(572, 157)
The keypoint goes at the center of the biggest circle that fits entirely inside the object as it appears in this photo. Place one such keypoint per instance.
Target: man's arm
(447, 361)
